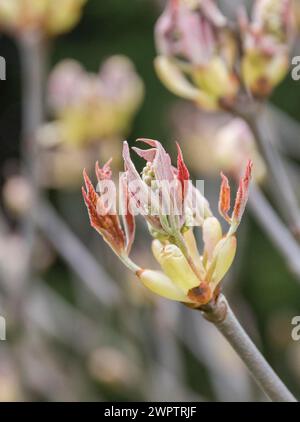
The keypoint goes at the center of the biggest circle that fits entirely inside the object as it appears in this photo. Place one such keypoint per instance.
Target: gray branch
(222, 316)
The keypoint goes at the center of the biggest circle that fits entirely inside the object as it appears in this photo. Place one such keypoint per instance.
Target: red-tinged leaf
(103, 173)
(128, 217)
(91, 193)
(108, 225)
(183, 174)
(224, 198)
(242, 194)
(93, 215)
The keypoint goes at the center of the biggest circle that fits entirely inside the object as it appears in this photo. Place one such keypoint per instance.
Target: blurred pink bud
(196, 53)
(216, 141)
(189, 32)
(17, 195)
(64, 83)
(266, 41)
(90, 107)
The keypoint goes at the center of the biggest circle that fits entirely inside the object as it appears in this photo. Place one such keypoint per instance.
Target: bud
(234, 144)
(91, 107)
(175, 266)
(240, 200)
(196, 53)
(50, 17)
(187, 275)
(222, 142)
(162, 285)
(17, 195)
(266, 40)
(175, 80)
(223, 257)
(212, 234)
(113, 367)
(191, 243)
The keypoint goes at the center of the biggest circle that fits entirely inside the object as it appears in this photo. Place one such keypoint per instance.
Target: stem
(33, 60)
(281, 186)
(275, 229)
(222, 316)
(287, 130)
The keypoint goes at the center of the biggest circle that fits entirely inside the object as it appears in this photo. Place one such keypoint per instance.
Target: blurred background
(83, 329)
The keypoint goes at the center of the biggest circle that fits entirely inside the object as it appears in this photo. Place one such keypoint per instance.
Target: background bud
(266, 43)
(47, 16)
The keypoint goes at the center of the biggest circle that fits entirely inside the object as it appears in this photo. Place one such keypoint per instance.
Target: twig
(3, 224)
(281, 186)
(275, 229)
(76, 255)
(33, 53)
(222, 316)
(229, 377)
(288, 131)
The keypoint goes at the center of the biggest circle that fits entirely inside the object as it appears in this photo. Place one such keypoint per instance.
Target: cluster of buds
(49, 17)
(171, 206)
(91, 107)
(205, 58)
(266, 40)
(196, 52)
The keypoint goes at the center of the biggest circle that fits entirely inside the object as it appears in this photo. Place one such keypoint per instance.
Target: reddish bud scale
(224, 198)
(183, 174)
(242, 194)
(201, 295)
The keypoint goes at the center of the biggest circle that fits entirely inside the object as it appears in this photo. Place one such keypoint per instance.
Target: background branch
(77, 256)
(275, 229)
(281, 186)
(33, 52)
